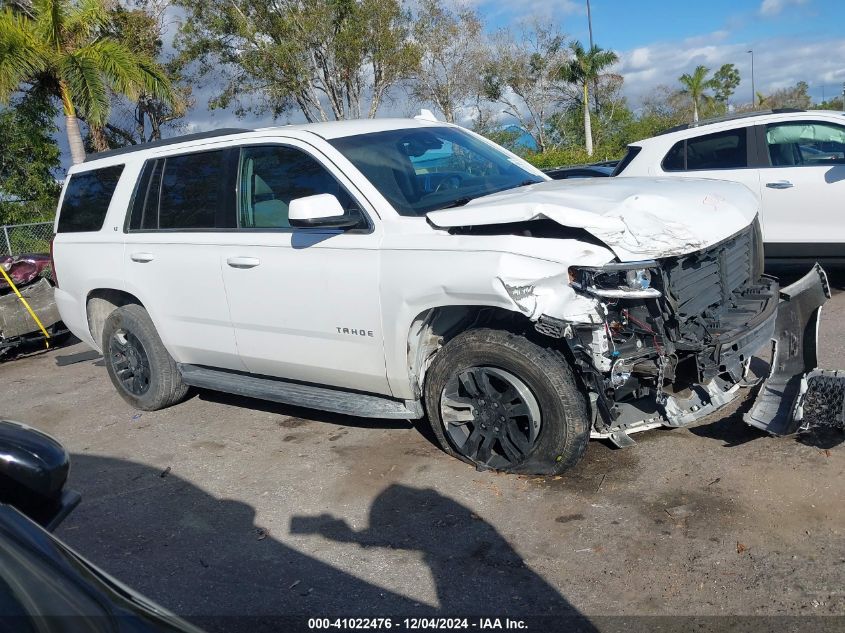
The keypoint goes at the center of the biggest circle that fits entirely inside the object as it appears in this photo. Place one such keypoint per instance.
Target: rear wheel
(141, 369)
(500, 401)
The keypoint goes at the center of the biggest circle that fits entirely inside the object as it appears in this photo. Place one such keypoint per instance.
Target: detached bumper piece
(776, 409)
(822, 400)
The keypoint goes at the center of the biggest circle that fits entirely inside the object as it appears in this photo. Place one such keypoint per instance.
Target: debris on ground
(31, 275)
(165, 472)
(679, 512)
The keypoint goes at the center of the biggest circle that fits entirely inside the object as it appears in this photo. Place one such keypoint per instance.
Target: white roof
(339, 129)
(327, 130)
(729, 123)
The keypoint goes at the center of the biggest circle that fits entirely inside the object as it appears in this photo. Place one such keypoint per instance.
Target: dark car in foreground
(45, 586)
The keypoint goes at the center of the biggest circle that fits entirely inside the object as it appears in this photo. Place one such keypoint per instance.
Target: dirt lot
(228, 506)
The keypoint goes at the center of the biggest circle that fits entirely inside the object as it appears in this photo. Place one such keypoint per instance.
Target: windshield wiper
(459, 202)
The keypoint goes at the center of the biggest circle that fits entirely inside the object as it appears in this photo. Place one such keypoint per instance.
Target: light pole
(753, 90)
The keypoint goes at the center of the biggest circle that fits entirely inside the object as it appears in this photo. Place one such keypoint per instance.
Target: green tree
(695, 85)
(64, 48)
(324, 57)
(797, 96)
(831, 104)
(522, 74)
(584, 69)
(725, 81)
(147, 117)
(452, 54)
(29, 158)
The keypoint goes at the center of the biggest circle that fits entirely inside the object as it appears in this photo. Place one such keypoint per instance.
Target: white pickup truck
(409, 269)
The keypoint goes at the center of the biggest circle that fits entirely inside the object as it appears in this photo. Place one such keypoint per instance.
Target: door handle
(243, 262)
(780, 184)
(142, 258)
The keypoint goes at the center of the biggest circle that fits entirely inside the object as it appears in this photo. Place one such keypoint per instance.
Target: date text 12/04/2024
(412, 624)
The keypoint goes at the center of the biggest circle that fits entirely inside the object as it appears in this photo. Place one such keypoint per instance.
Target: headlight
(617, 281)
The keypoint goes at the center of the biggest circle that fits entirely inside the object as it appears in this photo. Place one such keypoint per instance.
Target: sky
(657, 41)
(792, 40)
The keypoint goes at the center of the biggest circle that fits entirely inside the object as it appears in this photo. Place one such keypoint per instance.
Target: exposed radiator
(709, 277)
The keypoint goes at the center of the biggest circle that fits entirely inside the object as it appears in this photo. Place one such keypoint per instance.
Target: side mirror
(33, 471)
(322, 210)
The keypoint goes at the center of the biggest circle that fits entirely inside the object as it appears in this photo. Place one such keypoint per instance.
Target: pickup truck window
(422, 169)
(87, 199)
(272, 176)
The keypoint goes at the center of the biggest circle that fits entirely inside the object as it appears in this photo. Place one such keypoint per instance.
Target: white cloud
(639, 58)
(778, 63)
(773, 7)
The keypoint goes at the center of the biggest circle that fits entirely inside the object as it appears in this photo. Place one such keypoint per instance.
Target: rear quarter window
(721, 150)
(87, 198)
(630, 155)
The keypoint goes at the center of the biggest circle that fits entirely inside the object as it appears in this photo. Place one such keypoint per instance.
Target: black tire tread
(166, 385)
(562, 384)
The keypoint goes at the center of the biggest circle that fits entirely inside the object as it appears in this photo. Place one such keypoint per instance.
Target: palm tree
(63, 45)
(583, 69)
(695, 85)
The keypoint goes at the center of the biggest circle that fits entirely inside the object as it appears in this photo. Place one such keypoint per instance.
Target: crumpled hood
(637, 218)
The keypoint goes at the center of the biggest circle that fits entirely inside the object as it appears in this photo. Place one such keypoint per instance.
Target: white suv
(396, 268)
(794, 161)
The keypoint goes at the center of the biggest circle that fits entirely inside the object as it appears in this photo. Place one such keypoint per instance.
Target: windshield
(423, 169)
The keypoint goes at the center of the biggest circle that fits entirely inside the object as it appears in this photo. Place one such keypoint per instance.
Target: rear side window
(722, 150)
(181, 192)
(190, 191)
(87, 198)
(676, 159)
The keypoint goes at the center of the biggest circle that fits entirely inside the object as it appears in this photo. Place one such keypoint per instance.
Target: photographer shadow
(209, 561)
(475, 569)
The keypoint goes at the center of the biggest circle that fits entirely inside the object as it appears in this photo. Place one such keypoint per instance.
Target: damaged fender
(553, 297)
(794, 347)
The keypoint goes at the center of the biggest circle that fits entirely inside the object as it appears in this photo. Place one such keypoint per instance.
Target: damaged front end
(675, 337)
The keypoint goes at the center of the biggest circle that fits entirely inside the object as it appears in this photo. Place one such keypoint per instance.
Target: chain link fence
(19, 239)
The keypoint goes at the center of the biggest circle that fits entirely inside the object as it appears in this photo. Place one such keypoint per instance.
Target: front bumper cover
(794, 354)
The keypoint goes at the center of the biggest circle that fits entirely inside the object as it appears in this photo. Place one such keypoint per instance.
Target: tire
(483, 373)
(140, 368)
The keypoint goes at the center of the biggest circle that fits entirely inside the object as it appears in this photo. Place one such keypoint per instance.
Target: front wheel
(499, 401)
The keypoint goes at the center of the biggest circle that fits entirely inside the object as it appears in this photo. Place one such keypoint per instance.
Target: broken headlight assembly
(632, 280)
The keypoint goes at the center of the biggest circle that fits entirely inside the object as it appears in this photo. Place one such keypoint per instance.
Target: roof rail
(129, 149)
(730, 117)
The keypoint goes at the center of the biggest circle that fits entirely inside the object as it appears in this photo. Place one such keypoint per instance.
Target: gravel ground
(225, 506)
